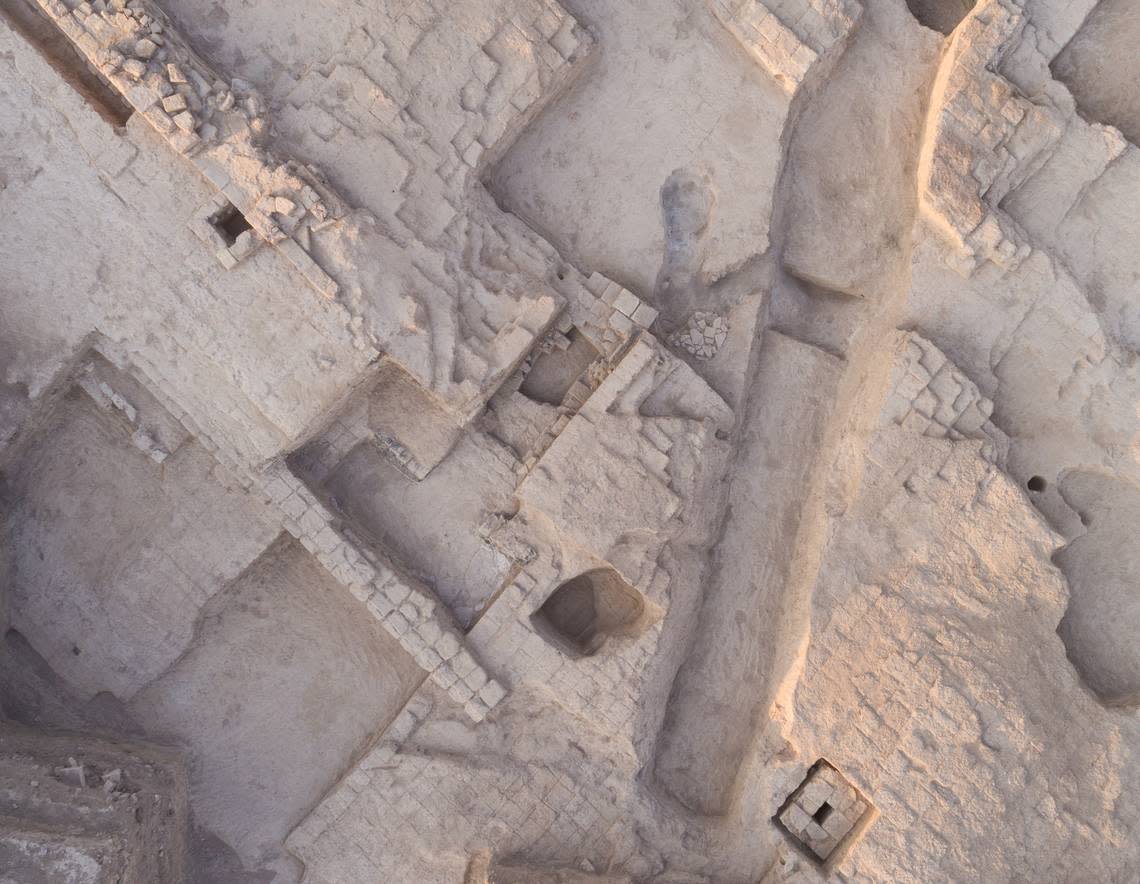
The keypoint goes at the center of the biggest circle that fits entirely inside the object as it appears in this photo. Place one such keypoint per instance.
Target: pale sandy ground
(884, 520)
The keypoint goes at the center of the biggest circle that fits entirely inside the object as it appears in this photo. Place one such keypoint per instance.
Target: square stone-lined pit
(223, 227)
(826, 815)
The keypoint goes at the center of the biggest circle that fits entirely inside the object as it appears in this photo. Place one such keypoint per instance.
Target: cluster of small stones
(417, 621)
(847, 809)
(703, 335)
(129, 43)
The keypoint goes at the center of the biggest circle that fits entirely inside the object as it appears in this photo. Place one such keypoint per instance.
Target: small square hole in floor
(230, 223)
(826, 815)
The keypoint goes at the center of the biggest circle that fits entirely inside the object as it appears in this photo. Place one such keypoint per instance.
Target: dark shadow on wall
(1101, 627)
(34, 694)
(940, 15)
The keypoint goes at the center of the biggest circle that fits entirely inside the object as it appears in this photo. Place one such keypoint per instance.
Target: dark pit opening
(1036, 484)
(940, 15)
(29, 21)
(554, 372)
(821, 815)
(586, 610)
(230, 223)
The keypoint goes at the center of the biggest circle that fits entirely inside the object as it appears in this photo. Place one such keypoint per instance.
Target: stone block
(397, 592)
(430, 632)
(379, 605)
(447, 645)
(397, 623)
(463, 663)
(644, 315)
(443, 676)
(413, 643)
(620, 323)
(460, 692)
(226, 258)
(174, 104)
(476, 678)
(626, 302)
(492, 693)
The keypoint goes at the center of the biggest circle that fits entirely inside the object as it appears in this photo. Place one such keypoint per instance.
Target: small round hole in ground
(1036, 483)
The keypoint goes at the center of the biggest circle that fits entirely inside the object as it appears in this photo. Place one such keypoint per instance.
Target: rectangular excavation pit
(426, 522)
(558, 363)
(119, 524)
(286, 682)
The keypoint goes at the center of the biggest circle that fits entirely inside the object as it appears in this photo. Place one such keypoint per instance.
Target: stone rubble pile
(703, 335)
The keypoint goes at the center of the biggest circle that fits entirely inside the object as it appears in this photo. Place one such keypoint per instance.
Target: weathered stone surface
(515, 441)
